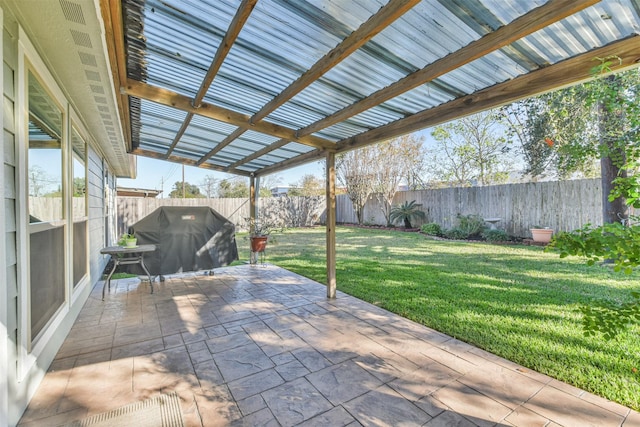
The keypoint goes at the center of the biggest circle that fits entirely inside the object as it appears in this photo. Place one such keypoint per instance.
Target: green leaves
(406, 212)
(611, 243)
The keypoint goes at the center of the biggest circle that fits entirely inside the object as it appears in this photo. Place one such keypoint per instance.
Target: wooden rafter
(269, 148)
(376, 23)
(529, 23)
(565, 73)
(181, 102)
(219, 146)
(186, 161)
(238, 21)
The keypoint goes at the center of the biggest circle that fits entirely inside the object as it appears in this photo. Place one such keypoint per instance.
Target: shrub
(405, 212)
(471, 225)
(431, 229)
(495, 236)
(456, 234)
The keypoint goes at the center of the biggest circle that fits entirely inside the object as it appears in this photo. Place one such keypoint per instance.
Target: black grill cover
(187, 239)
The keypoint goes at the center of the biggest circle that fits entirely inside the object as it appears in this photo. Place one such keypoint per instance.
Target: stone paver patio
(257, 345)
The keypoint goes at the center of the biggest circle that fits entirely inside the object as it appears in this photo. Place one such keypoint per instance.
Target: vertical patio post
(331, 224)
(252, 214)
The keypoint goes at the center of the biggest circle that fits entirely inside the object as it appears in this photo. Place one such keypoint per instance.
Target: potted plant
(128, 241)
(259, 233)
(541, 234)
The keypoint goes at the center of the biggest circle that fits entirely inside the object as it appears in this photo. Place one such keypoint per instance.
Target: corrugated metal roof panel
(171, 44)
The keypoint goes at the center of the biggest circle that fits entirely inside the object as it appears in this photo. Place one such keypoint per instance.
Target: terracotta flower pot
(542, 235)
(258, 243)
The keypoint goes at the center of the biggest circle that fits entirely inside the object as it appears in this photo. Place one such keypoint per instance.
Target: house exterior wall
(8, 254)
(23, 364)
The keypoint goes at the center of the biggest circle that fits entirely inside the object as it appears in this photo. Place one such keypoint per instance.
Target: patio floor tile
(385, 407)
(261, 346)
(343, 382)
(295, 401)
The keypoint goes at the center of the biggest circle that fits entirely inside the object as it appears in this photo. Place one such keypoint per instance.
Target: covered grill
(187, 239)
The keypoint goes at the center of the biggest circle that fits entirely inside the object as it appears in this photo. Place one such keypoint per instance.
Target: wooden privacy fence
(561, 205)
(287, 211)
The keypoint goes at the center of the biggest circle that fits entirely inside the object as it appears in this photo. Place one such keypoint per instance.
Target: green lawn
(514, 301)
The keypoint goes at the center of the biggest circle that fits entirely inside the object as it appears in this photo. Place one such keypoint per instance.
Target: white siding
(96, 215)
(18, 381)
(8, 251)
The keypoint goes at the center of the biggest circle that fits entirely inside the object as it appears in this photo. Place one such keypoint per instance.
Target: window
(46, 212)
(79, 206)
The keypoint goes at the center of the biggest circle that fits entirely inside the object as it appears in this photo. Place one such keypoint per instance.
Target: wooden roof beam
(529, 23)
(571, 71)
(269, 148)
(238, 21)
(181, 102)
(219, 146)
(374, 25)
(186, 161)
(378, 22)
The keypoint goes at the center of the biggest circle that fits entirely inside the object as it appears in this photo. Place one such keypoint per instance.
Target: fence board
(561, 205)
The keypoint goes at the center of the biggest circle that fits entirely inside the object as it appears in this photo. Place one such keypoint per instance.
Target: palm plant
(406, 212)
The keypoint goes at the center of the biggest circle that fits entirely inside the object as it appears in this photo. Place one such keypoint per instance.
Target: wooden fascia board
(111, 11)
(188, 162)
(369, 29)
(529, 23)
(562, 74)
(181, 102)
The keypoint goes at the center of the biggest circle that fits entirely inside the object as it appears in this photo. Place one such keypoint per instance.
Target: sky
(154, 174)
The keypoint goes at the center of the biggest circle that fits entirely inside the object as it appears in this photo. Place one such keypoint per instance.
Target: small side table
(117, 255)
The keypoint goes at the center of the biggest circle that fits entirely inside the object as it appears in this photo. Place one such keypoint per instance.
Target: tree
(209, 186)
(394, 161)
(354, 171)
(267, 183)
(556, 133)
(39, 181)
(79, 186)
(572, 130)
(233, 188)
(308, 185)
(191, 191)
(616, 99)
(470, 149)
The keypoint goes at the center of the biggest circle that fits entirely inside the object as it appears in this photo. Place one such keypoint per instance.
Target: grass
(515, 301)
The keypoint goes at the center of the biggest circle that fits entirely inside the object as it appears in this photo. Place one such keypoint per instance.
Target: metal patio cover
(255, 86)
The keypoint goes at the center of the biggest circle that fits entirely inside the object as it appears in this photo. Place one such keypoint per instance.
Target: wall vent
(72, 12)
(92, 75)
(81, 39)
(97, 89)
(88, 59)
